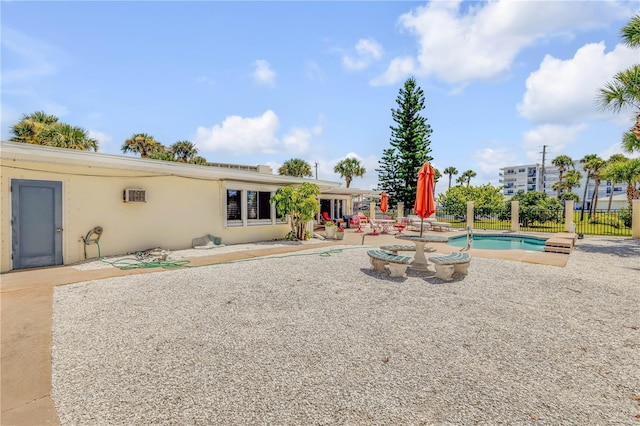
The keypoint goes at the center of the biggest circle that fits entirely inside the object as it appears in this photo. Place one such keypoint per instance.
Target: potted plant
(330, 230)
(339, 233)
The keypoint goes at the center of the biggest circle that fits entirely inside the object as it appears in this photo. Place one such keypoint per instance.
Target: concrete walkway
(26, 302)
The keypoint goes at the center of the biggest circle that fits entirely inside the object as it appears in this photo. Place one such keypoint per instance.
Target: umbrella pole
(421, 220)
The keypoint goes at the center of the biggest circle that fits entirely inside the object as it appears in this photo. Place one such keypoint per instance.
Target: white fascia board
(62, 156)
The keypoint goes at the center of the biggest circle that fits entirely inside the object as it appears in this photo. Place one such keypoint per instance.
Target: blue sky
(263, 82)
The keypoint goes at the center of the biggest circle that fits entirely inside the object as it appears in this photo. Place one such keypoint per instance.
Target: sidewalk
(26, 301)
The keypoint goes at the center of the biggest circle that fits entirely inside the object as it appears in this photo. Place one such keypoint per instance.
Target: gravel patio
(315, 337)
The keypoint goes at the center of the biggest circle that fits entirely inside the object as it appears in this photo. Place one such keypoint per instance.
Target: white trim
(62, 156)
(244, 187)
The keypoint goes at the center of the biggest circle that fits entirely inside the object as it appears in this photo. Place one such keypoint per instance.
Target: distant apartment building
(531, 177)
(525, 178)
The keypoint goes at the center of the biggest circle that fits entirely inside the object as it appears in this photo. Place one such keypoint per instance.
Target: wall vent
(134, 196)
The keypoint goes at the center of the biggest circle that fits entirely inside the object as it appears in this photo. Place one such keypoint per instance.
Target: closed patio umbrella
(384, 202)
(425, 204)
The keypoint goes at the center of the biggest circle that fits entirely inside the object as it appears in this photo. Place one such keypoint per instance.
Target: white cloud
(367, 51)
(489, 161)
(263, 74)
(555, 136)
(104, 140)
(240, 135)
(565, 91)
(397, 70)
(298, 139)
(255, 135)
(616, 149)
(481, 42)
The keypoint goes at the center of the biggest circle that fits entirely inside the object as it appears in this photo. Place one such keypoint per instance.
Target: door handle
(58, 229)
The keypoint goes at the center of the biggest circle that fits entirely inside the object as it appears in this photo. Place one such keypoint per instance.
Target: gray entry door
(36, 217)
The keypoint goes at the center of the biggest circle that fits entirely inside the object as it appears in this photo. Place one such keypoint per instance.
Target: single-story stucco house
(52, 198)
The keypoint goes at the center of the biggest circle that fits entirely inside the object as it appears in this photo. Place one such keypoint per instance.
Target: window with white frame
(249, 207)
(234, 206)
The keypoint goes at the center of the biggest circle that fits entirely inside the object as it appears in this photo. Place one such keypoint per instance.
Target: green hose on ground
(139, 263)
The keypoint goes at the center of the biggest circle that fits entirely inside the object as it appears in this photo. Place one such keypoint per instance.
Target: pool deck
(26, 301)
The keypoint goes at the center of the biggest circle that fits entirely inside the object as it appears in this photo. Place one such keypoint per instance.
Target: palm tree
(62, 135)
(348, 168)
(586, 166)
(571, 179)
(562, 162)
(450, 171)
(201, 161)
(626, 171)
(605, 173)
(184, 151)
(40, 128)
(630, 33)
(141, 143)
(630, 142)
(295, 167)
(624, 91)
(467, 175)
(28, 129)
(436, 177)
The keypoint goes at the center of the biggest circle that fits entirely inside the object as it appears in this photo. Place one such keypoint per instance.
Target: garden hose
(139, 263)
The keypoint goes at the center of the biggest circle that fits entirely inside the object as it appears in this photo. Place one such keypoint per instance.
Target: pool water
(500, 242)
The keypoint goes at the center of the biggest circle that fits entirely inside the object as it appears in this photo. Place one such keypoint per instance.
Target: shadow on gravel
(437, 281)
(428, 276)
(384, 276)
(617, 247)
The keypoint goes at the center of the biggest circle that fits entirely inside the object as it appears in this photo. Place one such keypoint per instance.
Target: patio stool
(394, 249)
(397, 264)
(447, 264)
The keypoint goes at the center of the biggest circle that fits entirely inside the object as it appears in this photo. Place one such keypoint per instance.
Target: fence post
(470, 214)
(569, 226)
(515, 216)
(635, 218)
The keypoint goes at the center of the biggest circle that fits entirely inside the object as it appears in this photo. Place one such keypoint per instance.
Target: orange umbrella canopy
(425, 204)
(384, 202)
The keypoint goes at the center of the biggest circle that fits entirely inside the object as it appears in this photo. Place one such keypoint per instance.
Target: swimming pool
(500, 242)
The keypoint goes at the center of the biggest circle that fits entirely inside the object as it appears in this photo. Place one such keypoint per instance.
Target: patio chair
(325, 218)
(363, 218)
(374, 226)
(355, 220)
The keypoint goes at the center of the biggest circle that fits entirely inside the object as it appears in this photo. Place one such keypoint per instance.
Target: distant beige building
(52, 198)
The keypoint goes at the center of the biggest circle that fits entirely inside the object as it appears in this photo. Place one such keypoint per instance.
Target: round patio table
(419, 259)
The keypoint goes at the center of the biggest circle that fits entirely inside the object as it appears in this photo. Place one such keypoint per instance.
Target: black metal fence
(603, 222)
(541, 220)
(533, 219)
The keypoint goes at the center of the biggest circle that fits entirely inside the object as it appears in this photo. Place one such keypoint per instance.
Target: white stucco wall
(177, 210)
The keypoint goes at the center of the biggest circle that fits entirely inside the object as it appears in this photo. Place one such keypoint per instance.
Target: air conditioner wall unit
(131, 195)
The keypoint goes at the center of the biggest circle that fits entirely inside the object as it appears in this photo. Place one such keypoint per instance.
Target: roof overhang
(16, 151)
